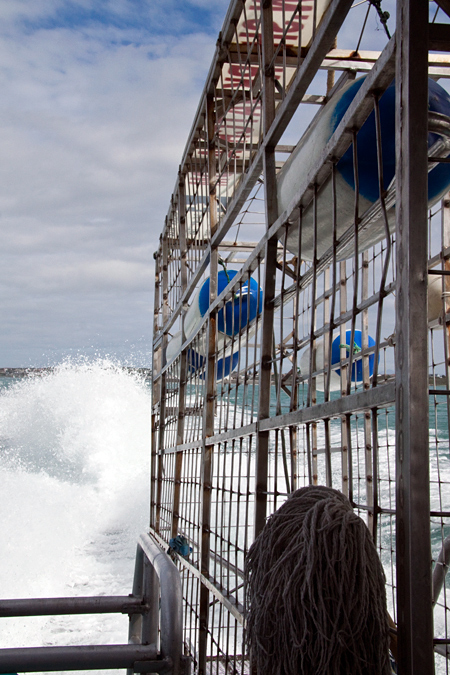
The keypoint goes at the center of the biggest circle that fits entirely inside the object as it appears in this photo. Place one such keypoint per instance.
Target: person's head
(316, 591)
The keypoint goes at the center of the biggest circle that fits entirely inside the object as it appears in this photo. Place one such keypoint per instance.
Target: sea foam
(74, 466)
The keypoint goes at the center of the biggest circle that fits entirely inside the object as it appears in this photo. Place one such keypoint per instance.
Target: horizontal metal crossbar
(141, 658)
(121, 604)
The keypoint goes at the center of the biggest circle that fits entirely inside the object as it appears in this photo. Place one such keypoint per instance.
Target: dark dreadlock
(316, 591)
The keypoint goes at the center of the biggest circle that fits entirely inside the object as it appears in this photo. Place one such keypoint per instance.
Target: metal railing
(155, 616)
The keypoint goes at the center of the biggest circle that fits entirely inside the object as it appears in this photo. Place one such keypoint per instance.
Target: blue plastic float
(357, 362)
(232, 319)
(306, 155)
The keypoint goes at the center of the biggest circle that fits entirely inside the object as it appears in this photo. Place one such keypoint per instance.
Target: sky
(98, 97)
(97, 100)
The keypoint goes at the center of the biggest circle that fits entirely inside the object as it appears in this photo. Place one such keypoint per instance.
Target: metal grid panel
(439, 418)
(195, 173)
(301, 389)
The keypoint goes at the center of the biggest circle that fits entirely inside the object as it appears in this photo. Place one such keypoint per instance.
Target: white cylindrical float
(308, 151)
(239, 311)
(434, 297)
(335, 379)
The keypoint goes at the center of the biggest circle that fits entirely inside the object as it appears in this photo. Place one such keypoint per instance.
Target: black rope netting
(316, 600)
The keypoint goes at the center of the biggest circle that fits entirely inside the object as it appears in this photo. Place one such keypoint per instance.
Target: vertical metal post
(366, 382)
(446, 289)
(162, 401)
(183, 358)
(262, 441)
(208, 418)
(312, 388)
(347, 488)
(135, 622)
(143, 629)
(157, 354)
(327, 340)
(170, 611)
(415, 624)
(150, 620)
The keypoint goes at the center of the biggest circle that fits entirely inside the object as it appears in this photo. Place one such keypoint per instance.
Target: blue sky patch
(155, 17)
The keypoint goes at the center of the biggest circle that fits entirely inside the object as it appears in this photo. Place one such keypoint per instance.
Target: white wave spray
(74, 454)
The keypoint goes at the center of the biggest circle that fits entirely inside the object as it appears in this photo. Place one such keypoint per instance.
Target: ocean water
(74, 476)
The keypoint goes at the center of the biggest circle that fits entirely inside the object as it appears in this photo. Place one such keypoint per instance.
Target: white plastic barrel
(301, 162)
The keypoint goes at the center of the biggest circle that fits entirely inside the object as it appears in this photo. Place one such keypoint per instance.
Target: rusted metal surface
(291, 410)
(415, 625)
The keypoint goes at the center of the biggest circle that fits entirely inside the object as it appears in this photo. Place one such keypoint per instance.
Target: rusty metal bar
(336, 425)
(210, 376)
(162, 387)
(262, 438)
(381, 396)
(321, 44)
(156, 391)
(358, 110)
(445, 5)
(415, 624)
(183, 358)
(439, 37)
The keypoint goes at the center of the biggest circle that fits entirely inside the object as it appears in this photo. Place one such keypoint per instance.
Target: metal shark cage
(335, 370)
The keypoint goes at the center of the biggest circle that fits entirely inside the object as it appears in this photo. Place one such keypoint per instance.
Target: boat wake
(74, 452)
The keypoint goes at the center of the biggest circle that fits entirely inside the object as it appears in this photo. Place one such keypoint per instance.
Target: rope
(356, 348)
(315, 591)
(383, 16)
(222, 262)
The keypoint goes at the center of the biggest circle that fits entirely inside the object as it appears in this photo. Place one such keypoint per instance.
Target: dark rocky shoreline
(28, 372)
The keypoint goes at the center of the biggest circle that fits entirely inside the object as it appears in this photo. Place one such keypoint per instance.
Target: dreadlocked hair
(315, 591)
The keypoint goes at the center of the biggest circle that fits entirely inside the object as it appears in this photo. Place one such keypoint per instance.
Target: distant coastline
(28, 372)
(438, 380)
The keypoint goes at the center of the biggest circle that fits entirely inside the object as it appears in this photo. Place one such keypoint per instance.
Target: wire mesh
(287, 377)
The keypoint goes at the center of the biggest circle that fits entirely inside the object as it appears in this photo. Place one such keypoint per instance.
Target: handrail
(140, 658)
(123, 604)
(155, 613)
(171, 617)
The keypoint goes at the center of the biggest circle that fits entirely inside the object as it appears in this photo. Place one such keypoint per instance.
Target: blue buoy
(357, 366)
(335, 379)
(306, 155)
(241, 310)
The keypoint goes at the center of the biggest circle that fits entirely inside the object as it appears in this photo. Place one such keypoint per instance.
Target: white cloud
(93, 122)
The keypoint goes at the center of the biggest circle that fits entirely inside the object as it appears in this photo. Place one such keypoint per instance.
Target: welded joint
(164, 666)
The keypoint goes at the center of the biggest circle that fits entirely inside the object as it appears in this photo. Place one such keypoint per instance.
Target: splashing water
(74, 453)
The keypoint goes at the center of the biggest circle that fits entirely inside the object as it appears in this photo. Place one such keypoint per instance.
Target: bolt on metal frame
(227, 451)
